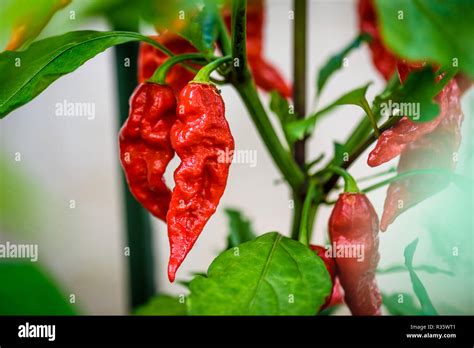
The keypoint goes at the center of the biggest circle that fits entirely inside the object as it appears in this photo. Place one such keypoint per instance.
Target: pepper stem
(204, 75)
(159, 76)
(350, 185)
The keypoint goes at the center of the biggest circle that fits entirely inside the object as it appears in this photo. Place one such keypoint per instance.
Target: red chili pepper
(336, 297)
(201, 138)
(383, 59)
(393, 141)
(432, 150)
(145, 147)
(150, 58)
(266, 76)
(353, 225)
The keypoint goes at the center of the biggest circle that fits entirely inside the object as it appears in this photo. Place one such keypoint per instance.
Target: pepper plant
(176, 108)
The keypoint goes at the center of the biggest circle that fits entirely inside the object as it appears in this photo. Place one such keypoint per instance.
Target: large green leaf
(163, 305)
(272, 275)
(25, 74)
(420, 291)
(335, 62)
(433, 30)
(25, 289)
(240, 228)
(202, 28)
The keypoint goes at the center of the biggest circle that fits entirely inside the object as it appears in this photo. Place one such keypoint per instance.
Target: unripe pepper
(145, 146)
(150, 58)
(354, 224)
(200, 137)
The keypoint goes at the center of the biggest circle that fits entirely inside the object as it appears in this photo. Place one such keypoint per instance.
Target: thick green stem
(239, 41)
(299, 73)
(285, 163)
(303, 236)
(297, 209)
(141, 275)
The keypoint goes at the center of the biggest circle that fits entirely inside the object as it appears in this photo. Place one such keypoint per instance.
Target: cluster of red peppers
(188, 118)
(180, 116)
(427, 145)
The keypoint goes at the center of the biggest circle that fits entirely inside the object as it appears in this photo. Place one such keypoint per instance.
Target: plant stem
(359, 150)
(303, 236)
(297, 209)
(285, 163)
(224, 40)
(299, 73)
(350, 185)
(239, 41)
(408, 174)
(159, 76)
(141, 281)
(245, 86)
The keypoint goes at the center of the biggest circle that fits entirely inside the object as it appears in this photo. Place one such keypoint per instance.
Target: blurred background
(60, 179)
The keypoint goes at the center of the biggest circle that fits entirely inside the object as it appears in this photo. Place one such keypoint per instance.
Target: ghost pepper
(201, 138)
(432, 150)
(145, 146)
(354, 224)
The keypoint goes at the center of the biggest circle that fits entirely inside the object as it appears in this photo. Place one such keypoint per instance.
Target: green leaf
(418, 288)
(284, 112)
(298, 129)
(25, 74)
(418, 90)
(19, 14)
(202, 29)
(335, 62)
(27, 290)
(163, 305)
(401, 304)
(432, 30)
(271, 275)
(240, 229)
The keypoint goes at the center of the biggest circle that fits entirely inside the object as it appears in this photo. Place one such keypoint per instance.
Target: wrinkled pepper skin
(336, 297)
(145, 146)
(354, 222)
(266, 76)
(200, 137)
(393, 141)
(150, 58)
(434, 150)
